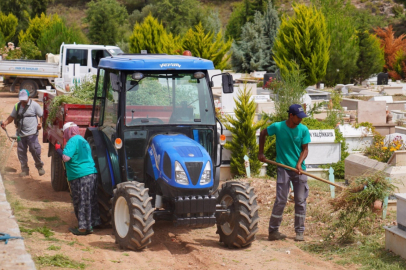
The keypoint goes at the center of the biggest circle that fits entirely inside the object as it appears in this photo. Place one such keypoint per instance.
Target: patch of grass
(54, 247)
(35, 209)
(87, 260)
(45, 200)
(369, 251)
(59, 260)
(16, 206)
(42, 230)
(126, 254)
(54, 218)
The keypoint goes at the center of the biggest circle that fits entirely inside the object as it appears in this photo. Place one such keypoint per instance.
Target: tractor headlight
(180, 175)
(206, 176)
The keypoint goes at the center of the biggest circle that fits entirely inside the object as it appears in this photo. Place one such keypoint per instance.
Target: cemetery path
(37, 206)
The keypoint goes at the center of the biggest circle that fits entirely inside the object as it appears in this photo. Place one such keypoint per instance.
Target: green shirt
(81, 162)
(289, 142)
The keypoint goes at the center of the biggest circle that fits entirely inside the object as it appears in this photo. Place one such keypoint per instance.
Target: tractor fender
(107, 158)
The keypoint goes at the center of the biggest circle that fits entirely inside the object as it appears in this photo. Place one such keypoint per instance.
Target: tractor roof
(155, 62)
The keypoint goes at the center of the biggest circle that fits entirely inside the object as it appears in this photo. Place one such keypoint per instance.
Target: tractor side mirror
(115, 82)
(228, 86)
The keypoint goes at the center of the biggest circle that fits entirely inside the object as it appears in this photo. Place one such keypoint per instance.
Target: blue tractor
(155, 142)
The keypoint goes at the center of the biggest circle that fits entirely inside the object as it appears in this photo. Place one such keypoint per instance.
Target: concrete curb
(13, 255)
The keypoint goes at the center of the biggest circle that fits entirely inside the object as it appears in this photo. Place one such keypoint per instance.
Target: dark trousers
(84, 198)
(30, 142)
(301, 191)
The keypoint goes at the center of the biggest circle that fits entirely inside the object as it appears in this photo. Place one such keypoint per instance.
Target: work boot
(41, 171)
(299, 236)
(276, 235)
(23, 173)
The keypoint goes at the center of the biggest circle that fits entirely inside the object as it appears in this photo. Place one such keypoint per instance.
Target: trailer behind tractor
(156, 146)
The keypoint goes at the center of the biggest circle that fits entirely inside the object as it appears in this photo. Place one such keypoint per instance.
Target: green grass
(54, 218)
(368, 251)
(42, 230)
(35, 209)
(59, 260)
(52, 247)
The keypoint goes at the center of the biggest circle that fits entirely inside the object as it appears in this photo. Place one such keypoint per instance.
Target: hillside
(385, 11)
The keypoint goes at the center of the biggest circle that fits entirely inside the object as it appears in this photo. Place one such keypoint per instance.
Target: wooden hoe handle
(304, 172)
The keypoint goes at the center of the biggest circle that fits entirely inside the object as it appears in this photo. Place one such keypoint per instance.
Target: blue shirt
(81, 162)
(289, 142)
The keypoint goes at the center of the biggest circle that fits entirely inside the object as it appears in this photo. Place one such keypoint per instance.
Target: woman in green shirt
(82, 177)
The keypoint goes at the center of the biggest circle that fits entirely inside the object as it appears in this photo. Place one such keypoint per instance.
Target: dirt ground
(172, 248)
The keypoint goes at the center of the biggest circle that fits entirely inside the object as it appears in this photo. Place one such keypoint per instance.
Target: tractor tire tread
(245, 211)
(141, 215)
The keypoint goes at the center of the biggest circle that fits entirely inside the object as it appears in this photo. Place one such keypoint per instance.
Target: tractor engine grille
(194, 169)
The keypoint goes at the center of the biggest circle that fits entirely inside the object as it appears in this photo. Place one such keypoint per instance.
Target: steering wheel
(137, 121)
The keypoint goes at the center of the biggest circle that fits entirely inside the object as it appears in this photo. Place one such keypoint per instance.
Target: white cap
(68, 125)
(23, 96)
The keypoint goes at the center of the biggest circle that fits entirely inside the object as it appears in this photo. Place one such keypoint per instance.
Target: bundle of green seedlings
(81, 94)
(354, 206)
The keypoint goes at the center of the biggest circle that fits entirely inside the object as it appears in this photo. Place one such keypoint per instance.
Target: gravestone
(322, 148)
(356, 138)
(383, 78)
(372, 111)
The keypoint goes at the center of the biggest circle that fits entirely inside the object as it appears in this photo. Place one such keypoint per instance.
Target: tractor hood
(174, 156)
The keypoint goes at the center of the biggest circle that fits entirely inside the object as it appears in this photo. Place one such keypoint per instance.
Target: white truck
(74, 62)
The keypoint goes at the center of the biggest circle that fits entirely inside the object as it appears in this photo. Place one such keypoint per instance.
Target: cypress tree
(152, 36)
(207, 46)
(371, 56)
(304, 39)
(8, 26)
(344, 50)
(244, 139)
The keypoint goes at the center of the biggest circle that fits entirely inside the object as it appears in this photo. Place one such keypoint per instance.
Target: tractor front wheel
(238, 227)
(132, 216)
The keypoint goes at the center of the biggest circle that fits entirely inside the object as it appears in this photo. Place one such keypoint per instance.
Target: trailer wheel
(132, 216)
(31, 86)
(238, 227)
(103, 198)
(58, 177)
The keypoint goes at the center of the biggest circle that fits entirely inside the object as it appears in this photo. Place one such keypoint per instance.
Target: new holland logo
(169, 65)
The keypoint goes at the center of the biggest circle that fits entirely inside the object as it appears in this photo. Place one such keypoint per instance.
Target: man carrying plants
(25, 115)
(292, 140)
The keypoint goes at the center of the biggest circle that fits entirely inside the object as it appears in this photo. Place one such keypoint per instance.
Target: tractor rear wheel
(58, 177)
(103, 198)
(132, 216)
(238, 227)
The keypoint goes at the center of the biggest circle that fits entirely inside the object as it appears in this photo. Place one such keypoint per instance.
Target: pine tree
(207, 46)
(244, 139)
(8, 26)
(36, 26)
(152, 36)
(250, 53)
(271, 27)
(304, 39)
(371, 57)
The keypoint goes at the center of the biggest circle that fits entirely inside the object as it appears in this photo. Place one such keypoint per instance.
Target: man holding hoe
(292, 140)
(25, 114)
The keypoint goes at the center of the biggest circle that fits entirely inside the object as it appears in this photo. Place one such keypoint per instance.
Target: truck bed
(29, 68)
(80, 114)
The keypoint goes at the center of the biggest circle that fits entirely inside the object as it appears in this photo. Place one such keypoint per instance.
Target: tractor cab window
(168, 99)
